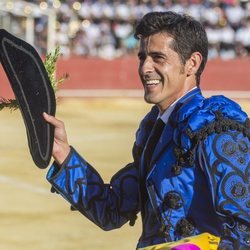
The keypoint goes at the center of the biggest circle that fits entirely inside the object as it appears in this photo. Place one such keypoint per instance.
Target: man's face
(162, 74)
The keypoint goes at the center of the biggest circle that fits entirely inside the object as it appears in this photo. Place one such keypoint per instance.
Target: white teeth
(152, 82)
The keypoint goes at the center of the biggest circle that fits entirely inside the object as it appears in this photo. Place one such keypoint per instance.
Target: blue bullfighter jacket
(197, 180)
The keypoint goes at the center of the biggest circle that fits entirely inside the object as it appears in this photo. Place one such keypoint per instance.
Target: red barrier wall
(122, 74)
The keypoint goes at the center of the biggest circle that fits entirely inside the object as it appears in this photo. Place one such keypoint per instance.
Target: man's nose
(147, 66)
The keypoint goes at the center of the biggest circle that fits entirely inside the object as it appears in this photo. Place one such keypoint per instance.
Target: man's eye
(158, 58)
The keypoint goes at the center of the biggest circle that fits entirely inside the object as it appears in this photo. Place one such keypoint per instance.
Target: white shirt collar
(168, 111)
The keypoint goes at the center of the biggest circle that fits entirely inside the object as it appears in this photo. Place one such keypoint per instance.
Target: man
(190, 173)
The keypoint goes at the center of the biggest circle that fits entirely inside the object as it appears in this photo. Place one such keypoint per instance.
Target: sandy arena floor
(32, 217)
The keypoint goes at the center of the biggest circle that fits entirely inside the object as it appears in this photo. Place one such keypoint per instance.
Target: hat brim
(33, 91)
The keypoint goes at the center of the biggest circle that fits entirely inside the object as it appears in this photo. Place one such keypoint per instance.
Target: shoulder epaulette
(217, 114)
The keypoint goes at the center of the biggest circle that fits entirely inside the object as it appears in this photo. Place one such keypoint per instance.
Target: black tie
(154, 138)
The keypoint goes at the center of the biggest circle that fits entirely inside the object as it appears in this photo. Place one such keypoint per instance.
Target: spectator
(234, 13)
(243, 39)
(227, 42)
(104, 27)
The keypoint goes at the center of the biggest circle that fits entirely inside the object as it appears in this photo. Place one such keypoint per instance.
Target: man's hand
(61, 146)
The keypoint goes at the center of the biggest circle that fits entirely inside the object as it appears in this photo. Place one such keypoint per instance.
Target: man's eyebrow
(157, 53)
(152, 54)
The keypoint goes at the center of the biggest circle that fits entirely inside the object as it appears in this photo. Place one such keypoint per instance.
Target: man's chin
(149, 99)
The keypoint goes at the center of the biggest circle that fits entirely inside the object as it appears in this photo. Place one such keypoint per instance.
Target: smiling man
(165, 78)
(190, 174)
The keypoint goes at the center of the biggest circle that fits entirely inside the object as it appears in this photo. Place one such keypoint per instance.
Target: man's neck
(165, 115)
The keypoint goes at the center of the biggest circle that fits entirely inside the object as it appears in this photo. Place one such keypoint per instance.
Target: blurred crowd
(104, 28)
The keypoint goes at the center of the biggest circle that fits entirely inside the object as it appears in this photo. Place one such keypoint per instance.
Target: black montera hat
(33, 91)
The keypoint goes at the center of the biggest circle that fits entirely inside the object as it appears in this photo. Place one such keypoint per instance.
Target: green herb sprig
(50, 66)
(8, 103)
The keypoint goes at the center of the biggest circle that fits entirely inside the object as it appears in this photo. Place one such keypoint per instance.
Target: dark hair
(188, 34)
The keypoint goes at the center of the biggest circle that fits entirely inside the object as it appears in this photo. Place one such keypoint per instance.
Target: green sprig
(50, 66)
(8, 103)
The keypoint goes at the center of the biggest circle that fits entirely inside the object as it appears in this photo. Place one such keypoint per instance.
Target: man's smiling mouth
(152, 82)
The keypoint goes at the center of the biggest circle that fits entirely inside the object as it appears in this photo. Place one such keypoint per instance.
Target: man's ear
(193, 63)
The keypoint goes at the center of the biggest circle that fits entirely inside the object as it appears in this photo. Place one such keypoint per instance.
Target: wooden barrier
(92, 73)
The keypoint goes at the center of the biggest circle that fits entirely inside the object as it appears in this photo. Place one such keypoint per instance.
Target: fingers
(60, 132)
(52, 120)
(61, 147)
